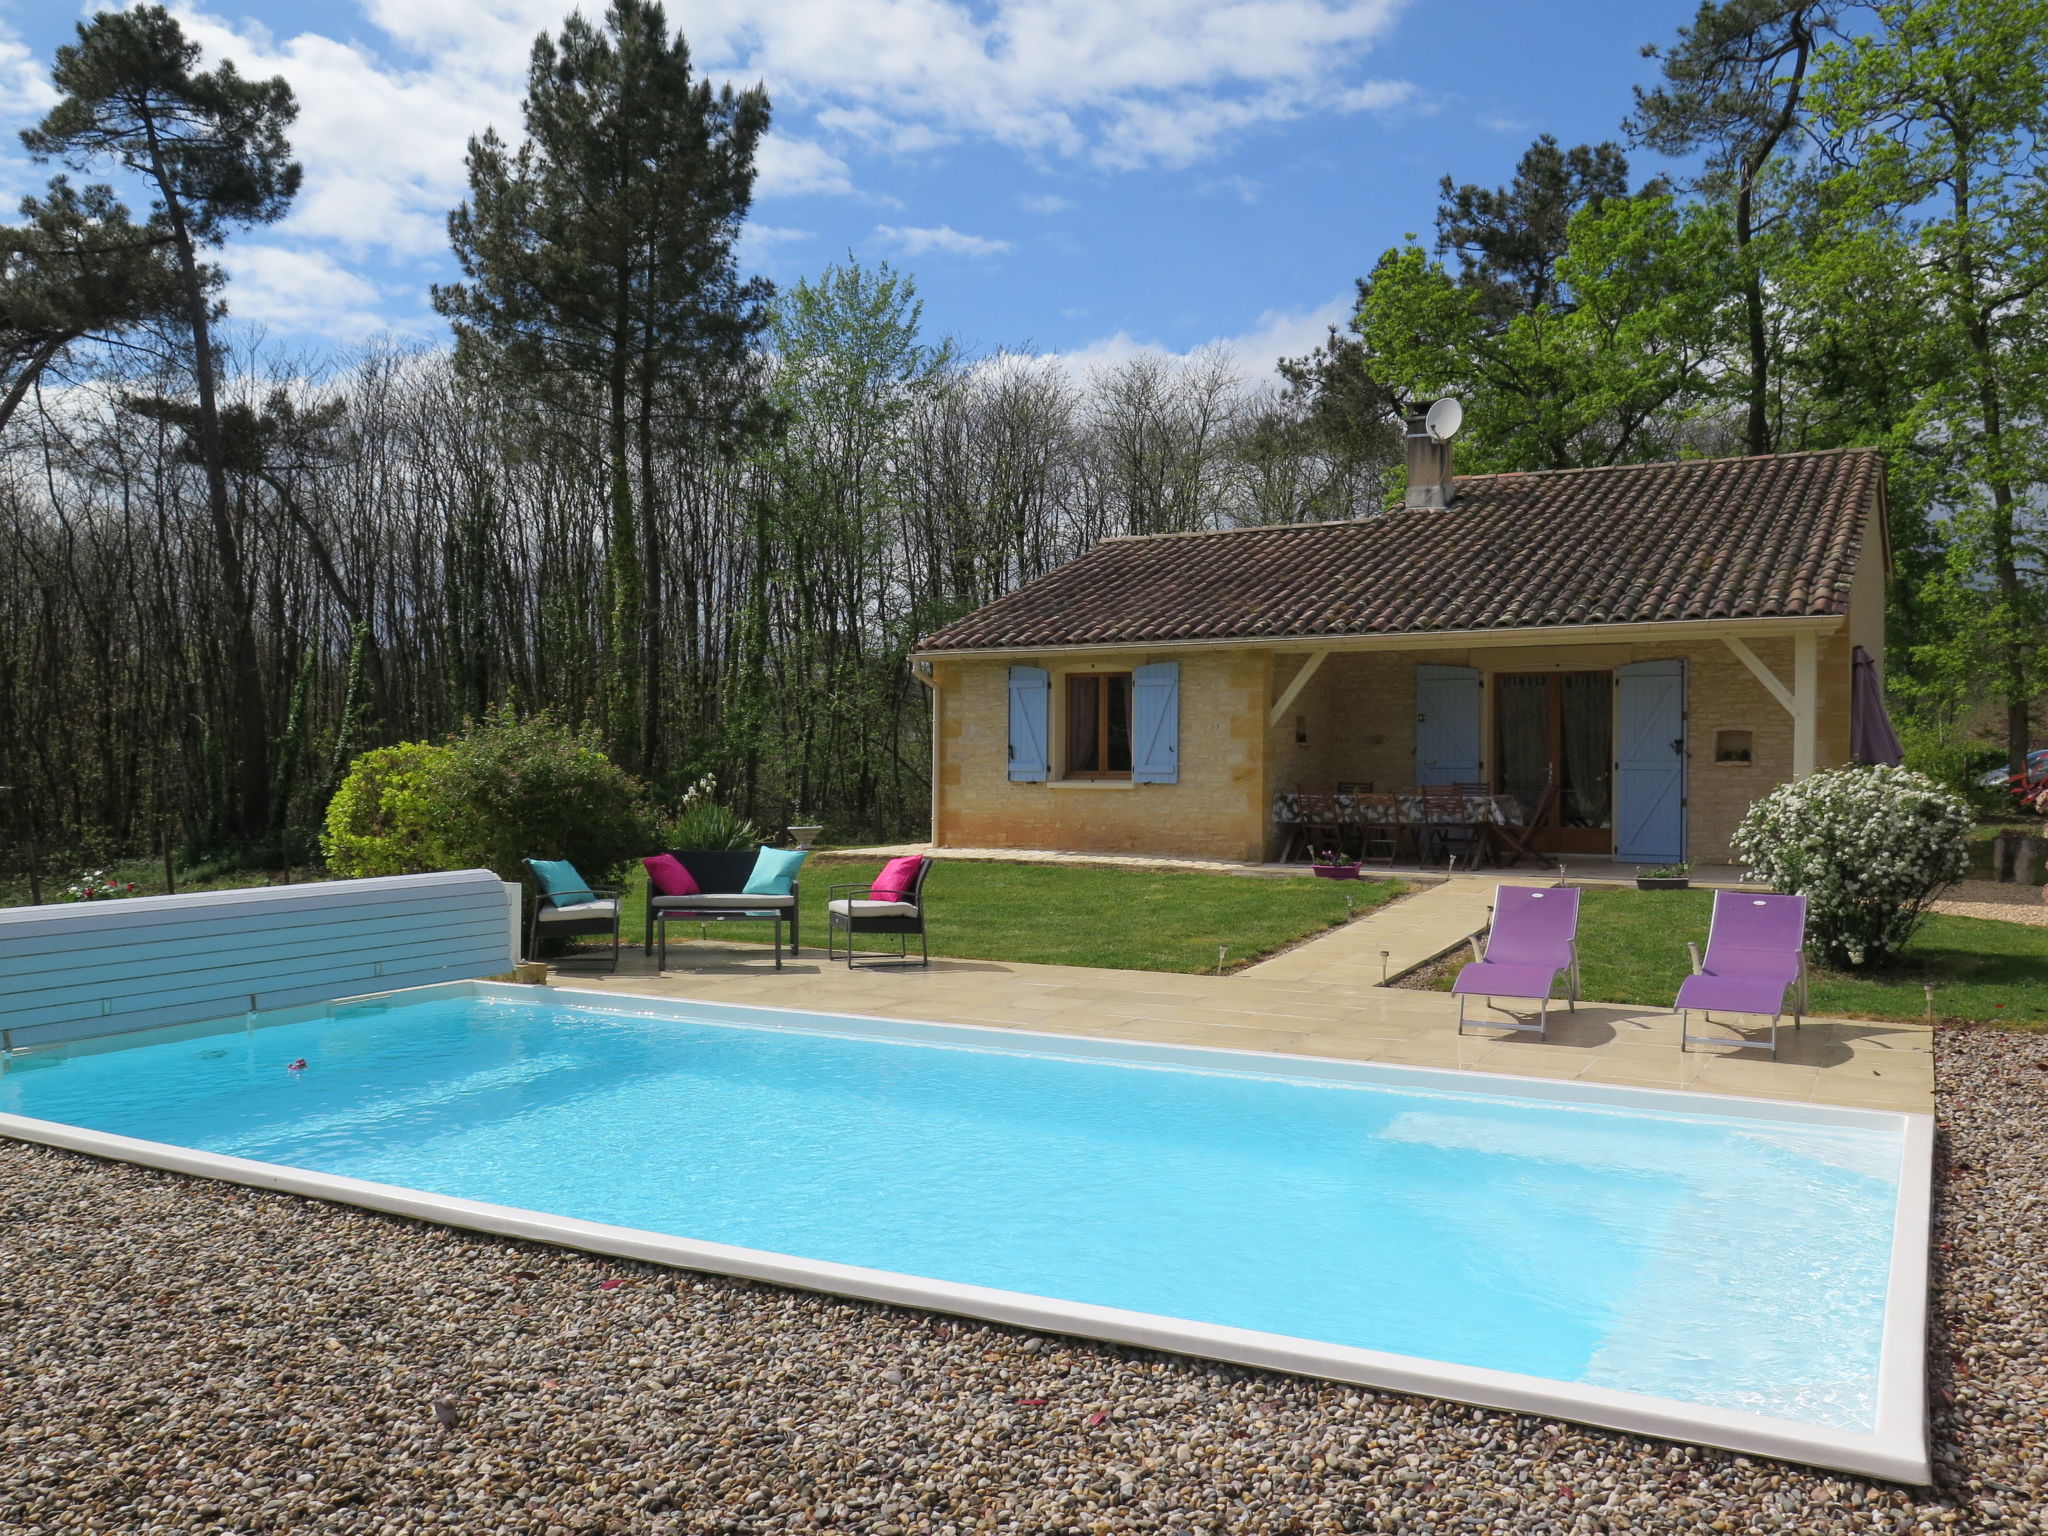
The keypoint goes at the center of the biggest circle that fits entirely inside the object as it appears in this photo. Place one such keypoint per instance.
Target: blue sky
(1081, 176)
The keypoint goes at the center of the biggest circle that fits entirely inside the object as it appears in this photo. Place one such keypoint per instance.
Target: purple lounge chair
(1535, 937)
(1756, 953)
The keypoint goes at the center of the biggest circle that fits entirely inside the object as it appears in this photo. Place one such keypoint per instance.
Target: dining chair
(1447, 820)
(1380, 826)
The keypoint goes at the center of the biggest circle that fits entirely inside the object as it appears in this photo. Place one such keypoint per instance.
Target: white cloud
(789, 166)
(945, 239)
(1378, 96)
(1049, 203)
(1243, 188)
(1274, 335)
(302, 292)
(383, 124)
(1134, 83)
(383, 145)
(760, 244)
(25, 89)
(25, 95)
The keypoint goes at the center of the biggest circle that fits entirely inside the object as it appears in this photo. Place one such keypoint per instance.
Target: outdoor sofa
(721, 877)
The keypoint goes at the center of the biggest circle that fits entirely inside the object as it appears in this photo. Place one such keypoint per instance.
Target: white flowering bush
(1867, 847)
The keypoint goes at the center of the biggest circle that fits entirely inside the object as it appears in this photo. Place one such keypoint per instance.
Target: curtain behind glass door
(1586, 749)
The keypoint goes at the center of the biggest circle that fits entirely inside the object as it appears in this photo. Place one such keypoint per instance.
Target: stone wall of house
(1218, 810)
(1354, 720)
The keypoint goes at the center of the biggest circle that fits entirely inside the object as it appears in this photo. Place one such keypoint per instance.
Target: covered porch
(1604, 752)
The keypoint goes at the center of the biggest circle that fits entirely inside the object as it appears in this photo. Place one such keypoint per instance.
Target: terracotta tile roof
(1775, 536)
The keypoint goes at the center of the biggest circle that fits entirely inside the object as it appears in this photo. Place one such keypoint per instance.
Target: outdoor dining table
(1371, 810)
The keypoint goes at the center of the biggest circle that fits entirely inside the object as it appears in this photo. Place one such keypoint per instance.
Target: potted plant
(1334, 864)
(801, 832)
(1665, 877)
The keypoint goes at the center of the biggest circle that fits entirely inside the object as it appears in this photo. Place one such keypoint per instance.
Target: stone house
(1663, 642)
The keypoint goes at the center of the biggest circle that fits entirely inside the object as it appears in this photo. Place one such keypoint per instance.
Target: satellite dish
(1444, 419)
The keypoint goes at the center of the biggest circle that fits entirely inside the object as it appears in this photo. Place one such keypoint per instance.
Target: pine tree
(77, 269)
(601, 278)
(1509, 239)
(1734, 87)
(212, 145)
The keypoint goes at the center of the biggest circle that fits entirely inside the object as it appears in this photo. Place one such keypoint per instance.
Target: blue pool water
(1734, 1262)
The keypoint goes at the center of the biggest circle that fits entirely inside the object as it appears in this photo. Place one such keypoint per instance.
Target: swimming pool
(1738, 1272)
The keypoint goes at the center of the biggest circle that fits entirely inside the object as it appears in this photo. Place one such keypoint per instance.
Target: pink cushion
(897, 879)
(665, 872)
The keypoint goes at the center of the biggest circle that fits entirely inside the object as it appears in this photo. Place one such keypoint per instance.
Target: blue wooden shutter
(1030, 704)
(1155, 724)
(1649, 768)
(1446, 725)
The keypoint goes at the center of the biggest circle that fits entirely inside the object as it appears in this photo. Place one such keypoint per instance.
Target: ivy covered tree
(212, 147)
(601, 282)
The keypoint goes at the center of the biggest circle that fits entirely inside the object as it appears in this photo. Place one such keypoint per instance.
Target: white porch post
(1805, 702)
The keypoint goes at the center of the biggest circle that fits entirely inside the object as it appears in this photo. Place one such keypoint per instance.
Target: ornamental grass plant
(1868, 847)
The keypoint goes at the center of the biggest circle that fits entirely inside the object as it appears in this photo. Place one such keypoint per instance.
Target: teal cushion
(559, 879)
(774, 868)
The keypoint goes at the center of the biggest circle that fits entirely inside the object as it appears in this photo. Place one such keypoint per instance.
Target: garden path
(1394, 938)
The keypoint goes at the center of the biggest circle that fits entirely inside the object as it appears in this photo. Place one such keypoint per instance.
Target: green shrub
(535, 788)
(393, 814)
(1953, 763)
(1867, 847)
(508, 788)
(702, 824)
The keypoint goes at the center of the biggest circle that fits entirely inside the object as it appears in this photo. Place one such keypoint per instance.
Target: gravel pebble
(182, 1356)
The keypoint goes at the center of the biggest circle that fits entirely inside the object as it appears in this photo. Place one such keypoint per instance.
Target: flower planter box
(1338, 871)
(1662, 882)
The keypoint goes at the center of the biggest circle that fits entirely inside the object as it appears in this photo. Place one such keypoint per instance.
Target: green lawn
(1055, 914)
(1632, 950)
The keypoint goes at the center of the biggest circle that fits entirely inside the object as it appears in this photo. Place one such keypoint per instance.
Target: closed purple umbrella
(1871, 737)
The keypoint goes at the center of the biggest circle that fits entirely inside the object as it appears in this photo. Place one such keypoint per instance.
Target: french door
(1558, 728)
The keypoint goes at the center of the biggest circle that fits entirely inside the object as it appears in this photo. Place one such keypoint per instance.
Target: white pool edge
(1896, 1450)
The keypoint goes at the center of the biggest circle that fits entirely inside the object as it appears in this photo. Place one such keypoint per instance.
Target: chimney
(1429, 463)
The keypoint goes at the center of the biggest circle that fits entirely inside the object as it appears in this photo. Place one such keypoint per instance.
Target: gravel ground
(180, 1356)
(1990, 898)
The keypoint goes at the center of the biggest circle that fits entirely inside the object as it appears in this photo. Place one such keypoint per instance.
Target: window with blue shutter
(1030, 707)
(1155, 723)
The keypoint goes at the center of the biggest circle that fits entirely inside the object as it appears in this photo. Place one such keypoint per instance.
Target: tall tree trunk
(1757, 439)
(2005, 565)
(623, 616)
(249, 731)
(652, 619)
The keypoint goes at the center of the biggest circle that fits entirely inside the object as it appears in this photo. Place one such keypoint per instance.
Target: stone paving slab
(1396, 938)
(1873, 1065)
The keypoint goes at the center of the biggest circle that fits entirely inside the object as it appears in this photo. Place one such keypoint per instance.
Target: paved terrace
(1324, 1011)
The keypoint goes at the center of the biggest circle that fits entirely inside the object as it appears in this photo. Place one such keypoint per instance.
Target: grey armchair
(850, 910)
